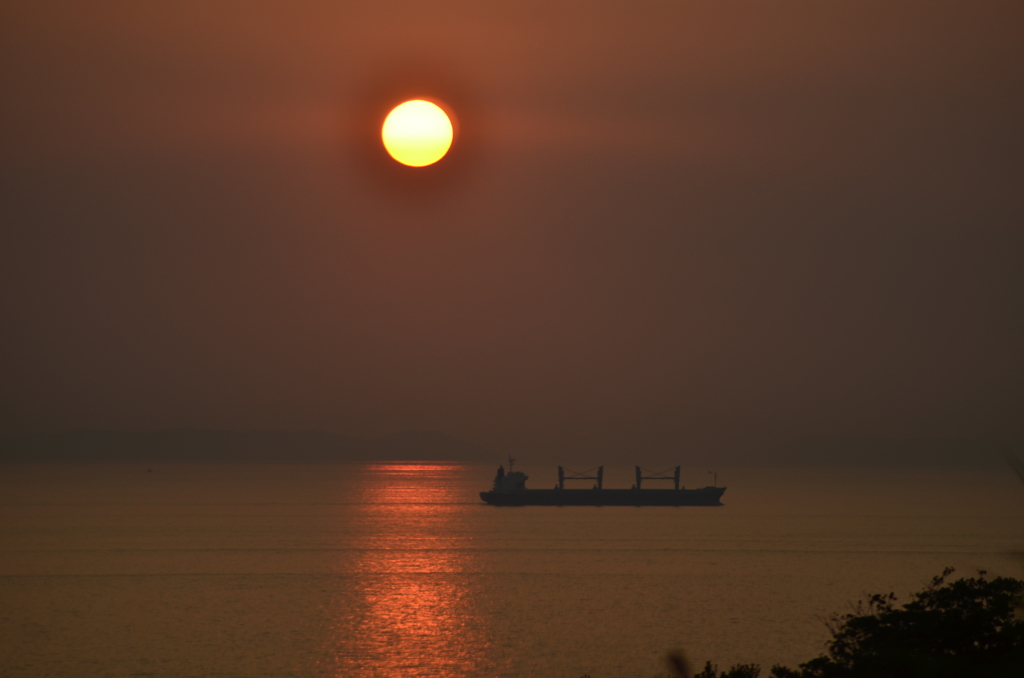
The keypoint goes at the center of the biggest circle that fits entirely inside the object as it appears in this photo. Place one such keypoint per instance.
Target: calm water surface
(399, 570)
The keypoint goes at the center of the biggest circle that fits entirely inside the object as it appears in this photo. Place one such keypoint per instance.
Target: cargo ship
(510, 490)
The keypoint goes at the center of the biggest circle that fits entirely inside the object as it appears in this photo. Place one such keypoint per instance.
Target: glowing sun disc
(417, 133)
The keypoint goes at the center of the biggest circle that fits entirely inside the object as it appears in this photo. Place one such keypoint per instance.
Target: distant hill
(192, 445)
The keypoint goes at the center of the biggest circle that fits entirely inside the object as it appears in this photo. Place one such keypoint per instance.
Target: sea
(397, 569)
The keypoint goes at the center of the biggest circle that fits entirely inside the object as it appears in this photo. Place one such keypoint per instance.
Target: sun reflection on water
(418, 604)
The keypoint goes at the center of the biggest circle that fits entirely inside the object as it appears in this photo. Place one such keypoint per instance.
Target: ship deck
(706, 496)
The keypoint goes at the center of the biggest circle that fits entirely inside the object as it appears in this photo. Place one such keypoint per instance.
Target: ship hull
(706, 496)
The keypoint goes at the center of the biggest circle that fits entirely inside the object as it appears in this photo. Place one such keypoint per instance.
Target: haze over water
(399, 570)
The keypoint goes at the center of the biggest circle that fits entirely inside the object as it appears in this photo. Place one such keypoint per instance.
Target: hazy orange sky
(664, 225)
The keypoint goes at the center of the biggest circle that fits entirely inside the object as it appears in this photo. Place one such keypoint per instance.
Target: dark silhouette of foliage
(961, 629)
(737, 671)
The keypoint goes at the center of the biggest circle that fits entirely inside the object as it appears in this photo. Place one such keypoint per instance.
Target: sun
(417, 133)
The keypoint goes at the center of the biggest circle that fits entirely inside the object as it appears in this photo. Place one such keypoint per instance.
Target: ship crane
(657, 475)
(580, 475)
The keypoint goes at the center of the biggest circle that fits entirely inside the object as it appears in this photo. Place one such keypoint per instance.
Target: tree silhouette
(965, 628)
(737, 671)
